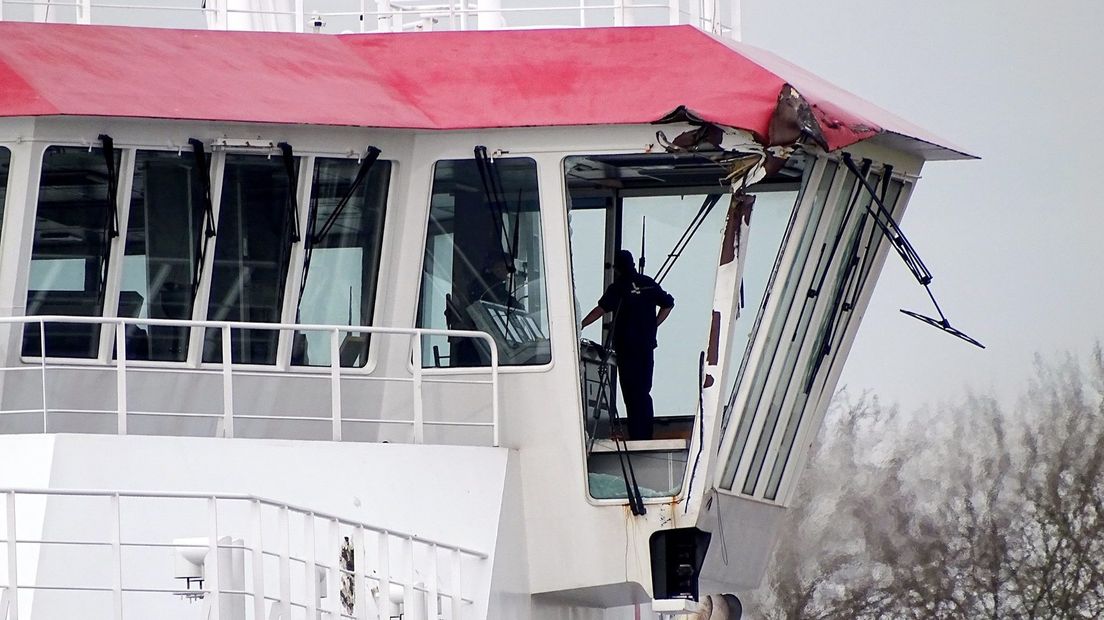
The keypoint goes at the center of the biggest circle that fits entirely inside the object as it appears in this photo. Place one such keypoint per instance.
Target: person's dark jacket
(634, 299)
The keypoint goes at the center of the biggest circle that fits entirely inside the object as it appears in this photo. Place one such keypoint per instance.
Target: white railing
(387, 15)
(122, 368)
(389, 568)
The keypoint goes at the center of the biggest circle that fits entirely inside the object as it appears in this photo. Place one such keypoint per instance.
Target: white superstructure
(259, 363)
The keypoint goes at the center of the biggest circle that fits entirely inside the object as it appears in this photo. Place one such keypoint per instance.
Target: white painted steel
(291, 595)
(120, 379)
(227, 383)
(283, 535)
(384, 561)
(13, 558)
(116, 558)
(335, 383)
(227, 370)
(360, 580)
(412, 15)
(256, 547)
(311, 572)
(211, 567)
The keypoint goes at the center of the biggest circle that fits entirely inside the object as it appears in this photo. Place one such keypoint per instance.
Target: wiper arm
(293, 190)
(707, 205)
(884, 220)
(111, 225)
(203, 173)
(315, 237)
(112, 185)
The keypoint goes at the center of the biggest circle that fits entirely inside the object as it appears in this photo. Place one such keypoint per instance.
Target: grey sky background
(1014, 239)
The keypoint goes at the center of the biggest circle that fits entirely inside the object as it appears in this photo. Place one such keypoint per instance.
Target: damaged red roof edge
(434, 80)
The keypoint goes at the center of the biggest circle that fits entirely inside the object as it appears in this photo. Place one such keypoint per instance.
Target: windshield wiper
(293, 191)
(111, 225)
(883, 218)
(203, 173)
(314, 237)
(699, 218)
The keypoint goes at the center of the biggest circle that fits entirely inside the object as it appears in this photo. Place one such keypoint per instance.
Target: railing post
(431, 583)
(494, 392)
(227, 384)
(116, 557)
(336, 576)
(674, 12)
(13, 563)
(416, 358)
(335, 383)
(285, 563)
(618, 12)
(42, 357)
(360, 582)
(300, 21)
(311, 559)
(211, 564)
(120, 377)
(384, 560)
(84, 12)
(257, 549)
(457, 599)
(408, 588)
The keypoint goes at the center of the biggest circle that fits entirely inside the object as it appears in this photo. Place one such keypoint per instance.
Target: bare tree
(964, 512)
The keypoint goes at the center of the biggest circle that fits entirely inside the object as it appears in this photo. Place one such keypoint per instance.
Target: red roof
(434, 80)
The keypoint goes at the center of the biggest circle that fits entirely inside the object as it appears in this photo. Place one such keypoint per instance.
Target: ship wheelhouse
(394, 265)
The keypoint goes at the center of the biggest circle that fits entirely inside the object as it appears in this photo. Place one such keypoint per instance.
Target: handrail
(396, 16)
(227, 366)
(255, 537)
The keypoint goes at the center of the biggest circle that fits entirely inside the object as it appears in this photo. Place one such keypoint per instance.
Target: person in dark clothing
(639, 305)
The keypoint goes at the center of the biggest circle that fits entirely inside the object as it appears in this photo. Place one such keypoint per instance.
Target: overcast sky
(1013, 238)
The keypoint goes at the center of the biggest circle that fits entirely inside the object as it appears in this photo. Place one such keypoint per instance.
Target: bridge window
(343, 257)
(74, 224)
(256, 229)
(163, 243)
(483, 269)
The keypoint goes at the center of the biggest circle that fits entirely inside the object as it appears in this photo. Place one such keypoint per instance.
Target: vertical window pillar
(118, 245)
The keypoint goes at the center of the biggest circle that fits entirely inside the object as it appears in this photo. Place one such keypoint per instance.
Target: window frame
(217, 158)
(773, 355)
(543, 215)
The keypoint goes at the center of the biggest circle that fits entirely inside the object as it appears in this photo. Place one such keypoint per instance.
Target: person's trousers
(634, 369)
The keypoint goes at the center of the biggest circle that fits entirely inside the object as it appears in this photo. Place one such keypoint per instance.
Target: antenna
(643, 235)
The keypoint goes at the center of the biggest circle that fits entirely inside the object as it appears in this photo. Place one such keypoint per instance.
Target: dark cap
(623, 261)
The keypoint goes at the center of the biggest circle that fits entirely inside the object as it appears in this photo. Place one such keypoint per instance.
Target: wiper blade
(884, 220)
(111, 225)
(203, 173)
(293, 190)
(316, 237)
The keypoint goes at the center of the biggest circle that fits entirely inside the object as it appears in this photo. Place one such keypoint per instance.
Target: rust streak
(714, 339)
(739, 214)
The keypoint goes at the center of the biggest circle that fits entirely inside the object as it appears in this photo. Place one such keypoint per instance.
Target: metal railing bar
(240, 497)
(471, 424)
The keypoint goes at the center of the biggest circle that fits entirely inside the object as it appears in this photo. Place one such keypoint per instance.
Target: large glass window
(483, 267)
(163, 242)
(343, 256)
(74, 224)
(801, 261)
(256, 227)
(864, 238)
